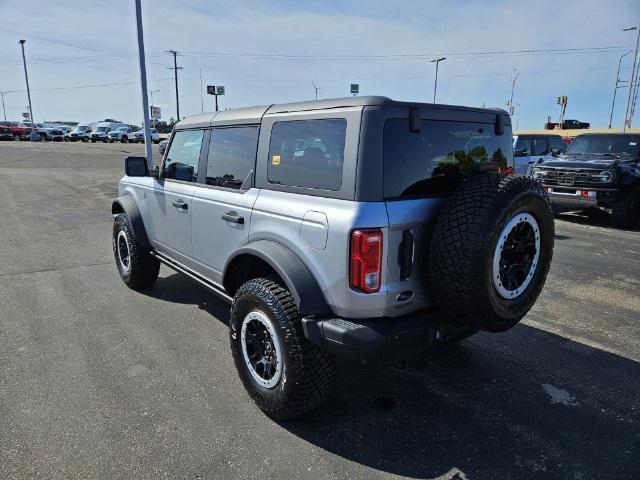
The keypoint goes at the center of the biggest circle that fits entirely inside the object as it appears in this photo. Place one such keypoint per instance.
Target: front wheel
(626, 210)
(16, 138)
(137, 268)
(284, 373)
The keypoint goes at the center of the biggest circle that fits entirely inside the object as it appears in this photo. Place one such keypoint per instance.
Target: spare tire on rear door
(491, 251)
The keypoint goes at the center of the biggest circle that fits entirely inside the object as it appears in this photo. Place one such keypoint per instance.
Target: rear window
(434, 161)
(307, 153)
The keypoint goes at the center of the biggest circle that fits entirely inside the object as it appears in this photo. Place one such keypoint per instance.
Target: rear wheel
(284, 373)
(626, 209)
(124, 139)
(16, 137)
(491, 251)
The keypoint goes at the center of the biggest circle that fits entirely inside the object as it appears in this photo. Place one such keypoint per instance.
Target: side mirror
(555, 151)
(136, 167)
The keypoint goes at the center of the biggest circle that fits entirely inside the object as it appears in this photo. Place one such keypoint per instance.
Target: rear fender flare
(293, 272)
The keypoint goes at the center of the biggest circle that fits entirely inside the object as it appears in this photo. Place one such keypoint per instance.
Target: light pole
(4, 111)
(627, 117)
(435, 83)
(33, 134)
(151, 92)
(143, 85)
(175, 69)
(615, 90)
(316, 88)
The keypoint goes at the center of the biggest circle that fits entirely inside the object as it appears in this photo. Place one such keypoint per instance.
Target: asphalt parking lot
(98, 381)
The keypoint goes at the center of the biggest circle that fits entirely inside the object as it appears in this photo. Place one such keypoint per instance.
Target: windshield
(622, 145)
(80, 128)
(123, 129)
(101, 129)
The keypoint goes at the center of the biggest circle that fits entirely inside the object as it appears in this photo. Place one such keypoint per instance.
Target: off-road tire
(124, 139)
(462, 250)
(308, 372)
(626, 209)
(144, 268)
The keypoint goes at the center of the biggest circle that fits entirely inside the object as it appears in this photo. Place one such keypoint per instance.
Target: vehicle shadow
(178, 288)
(522, 404)
(592, 217)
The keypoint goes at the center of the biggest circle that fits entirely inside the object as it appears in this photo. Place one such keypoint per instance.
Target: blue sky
(82, 56)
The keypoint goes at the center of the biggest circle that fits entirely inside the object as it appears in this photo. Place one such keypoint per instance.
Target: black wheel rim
(261, 349)
(516, 255)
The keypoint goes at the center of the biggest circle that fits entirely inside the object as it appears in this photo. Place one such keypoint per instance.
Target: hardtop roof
(254, 114)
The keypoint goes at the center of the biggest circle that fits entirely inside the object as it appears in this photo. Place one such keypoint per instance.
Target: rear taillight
(366, 260)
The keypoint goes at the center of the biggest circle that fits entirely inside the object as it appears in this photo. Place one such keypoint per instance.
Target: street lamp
(33, 135)
(435, 84)
(615, 90)
(632, 86)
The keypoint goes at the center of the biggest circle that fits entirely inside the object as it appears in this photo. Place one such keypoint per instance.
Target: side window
(522, 148)
(556, 142)
(181, 161)
(539, 146)
(307, 153)
(232, 155)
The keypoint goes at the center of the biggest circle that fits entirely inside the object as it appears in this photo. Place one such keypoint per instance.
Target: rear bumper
(383, 340)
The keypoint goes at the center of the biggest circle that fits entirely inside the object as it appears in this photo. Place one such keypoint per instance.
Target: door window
(232, 155)
(522, 148)
(181, 161)
(307, 153)
(539, 146)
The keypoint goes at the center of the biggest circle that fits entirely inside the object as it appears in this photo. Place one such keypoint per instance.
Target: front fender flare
(293, 272)
(126, 204)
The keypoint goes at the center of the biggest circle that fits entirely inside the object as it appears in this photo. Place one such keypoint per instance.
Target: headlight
(538, 173)
(603, 177)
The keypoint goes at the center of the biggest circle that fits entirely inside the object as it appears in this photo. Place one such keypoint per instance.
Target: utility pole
(143, 85)
(4, 111)
(615, 90)
(316, 88)
(513, 86)
(175, 69)
(201, 97)
(435, 83)
(33, 134)
(627, 117)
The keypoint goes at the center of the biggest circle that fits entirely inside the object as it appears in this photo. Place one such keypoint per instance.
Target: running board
(205, 282)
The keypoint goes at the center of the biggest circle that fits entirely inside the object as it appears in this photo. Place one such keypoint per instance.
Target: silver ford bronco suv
(359, 227)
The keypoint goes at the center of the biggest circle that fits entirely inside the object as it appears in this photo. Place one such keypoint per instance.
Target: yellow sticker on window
(275, 160)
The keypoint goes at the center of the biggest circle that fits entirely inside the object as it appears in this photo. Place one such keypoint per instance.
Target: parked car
(597, 171)
(5, 133)
(359, 227)
(18, 132)
(162, 146)
(529, 149)
(567, 125)
(51, 134)
(121, 134)
(138, 137)
(79, 133)
(102, 129)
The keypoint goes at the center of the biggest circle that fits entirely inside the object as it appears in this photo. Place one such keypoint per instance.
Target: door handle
(180, 204)
(233, 217)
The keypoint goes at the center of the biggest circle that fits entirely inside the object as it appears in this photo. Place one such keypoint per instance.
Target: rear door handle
(233, 217)
(180, 204)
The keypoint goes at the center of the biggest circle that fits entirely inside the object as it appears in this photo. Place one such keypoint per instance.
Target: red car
(18, 132)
